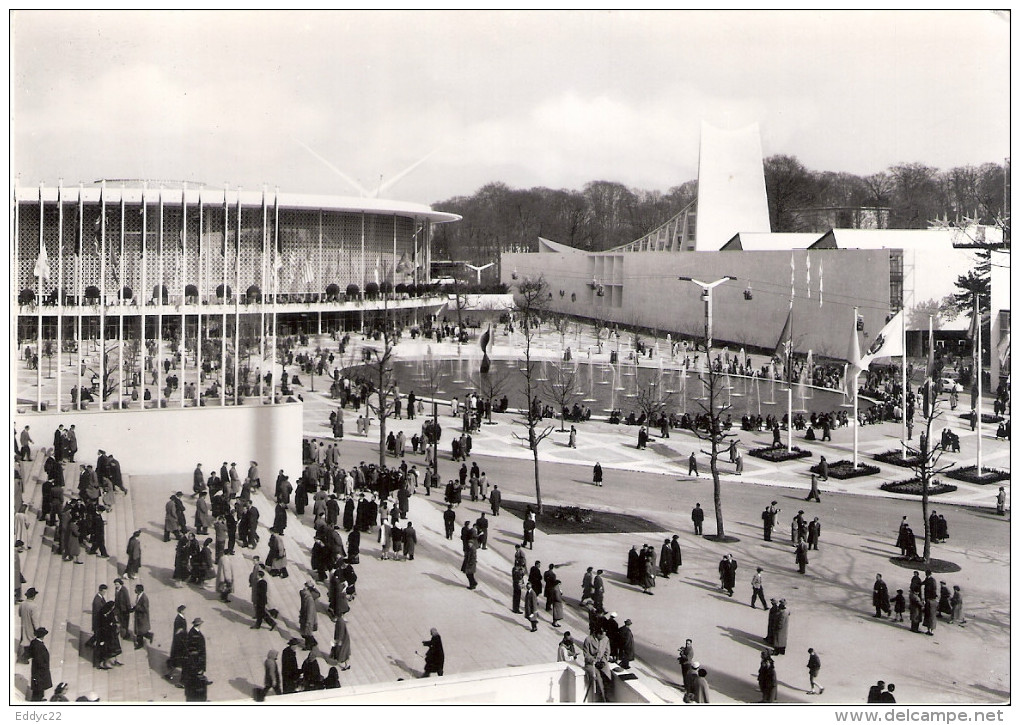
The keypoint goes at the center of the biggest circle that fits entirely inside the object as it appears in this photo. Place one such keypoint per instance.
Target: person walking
(823, 467)
(271, 678)
(767, 678)
(782, 628)
(531, 606)
(757, 590)
(701, 683)
(470, 562)
(122, 608)
(597, 474)
(435, 657)
(225, 576)
(698, 517)
(814, 665)
(178, 645)
(143, 627)
(677, 554)
(813, 494)
(134, 556)
(801, 557)
(727, 573)
(41, 680)
(572, 441)
(308, 615)
(495, 499)
(193, 676)
(290, 672)
(260, 601)
(880, 597)
(692, 466)
(517, 575)
(1000, 502)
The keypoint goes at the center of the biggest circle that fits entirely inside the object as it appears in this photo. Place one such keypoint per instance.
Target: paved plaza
(399, 601)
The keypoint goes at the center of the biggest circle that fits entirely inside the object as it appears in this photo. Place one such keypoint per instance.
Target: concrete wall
(642, 289)
(175, 439)
(532, 684)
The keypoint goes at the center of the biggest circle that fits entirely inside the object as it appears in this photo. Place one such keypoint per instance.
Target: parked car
(949, 385)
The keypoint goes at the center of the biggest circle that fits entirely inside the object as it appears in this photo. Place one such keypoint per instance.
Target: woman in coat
(916, 611)
(341, 650)
(72, 546)
(801, 557)
(143, 626)
(182, 558)
(311, 674)
(225, 577)
(597, 474)
(556, 598)
(666, 560)
(767, 678)
(134, 556)
(107, 638)
(276, 560)
(957, 602)
(203, 517)
(648, 570)
(782, 629)
(945, 606)
(354, 546)
(280, 518)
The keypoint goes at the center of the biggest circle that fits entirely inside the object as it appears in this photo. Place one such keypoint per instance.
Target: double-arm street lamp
(706, 296)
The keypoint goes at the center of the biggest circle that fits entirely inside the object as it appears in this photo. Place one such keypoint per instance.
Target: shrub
(575, 514)
(912, 486)
(895, 457)
(371, 290)
(780, 454)
(969, 475)
(985, 418)
(845, 469)
(353, 291)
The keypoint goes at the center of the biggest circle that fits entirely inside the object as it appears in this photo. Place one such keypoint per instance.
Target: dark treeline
(605, 214)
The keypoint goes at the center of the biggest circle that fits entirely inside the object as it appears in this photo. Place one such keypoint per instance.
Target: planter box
(912, 486)
(843, 470)
(985, 418)
(895, 457)
(969, 475)
(780, 454)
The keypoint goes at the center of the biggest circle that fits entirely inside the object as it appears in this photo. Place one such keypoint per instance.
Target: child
(899, 605)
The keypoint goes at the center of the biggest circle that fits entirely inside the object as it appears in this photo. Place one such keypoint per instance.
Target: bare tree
(432, 374)
(927, 466)
(490, 385)
(383, 381)
(561, 324)
(532, 299)
(564, 387)
(652, 399)
(715, 436)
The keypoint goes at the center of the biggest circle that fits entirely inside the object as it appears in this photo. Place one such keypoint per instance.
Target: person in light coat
(225, 576)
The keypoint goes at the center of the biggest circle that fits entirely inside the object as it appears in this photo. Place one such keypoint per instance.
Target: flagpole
(856, 371)
(15, 278)
(184, 288)
(789, 387)
(79, 250)
(198, 331)
(120, 307)
(262, 297)
(276, 291)
(977, 370)
(237, 303)
(38, 307)
(223, 303)
(60, 285)
(903, 383)
(159, 309)
(143, 348)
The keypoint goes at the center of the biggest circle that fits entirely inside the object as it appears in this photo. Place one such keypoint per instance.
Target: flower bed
(780, 454)
(969, 475)
(988, 418)
(895, 457)
(845, 469)
(913, 487)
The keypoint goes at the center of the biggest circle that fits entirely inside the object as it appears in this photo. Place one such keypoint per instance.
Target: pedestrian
(308, 615)
(801, 556)
(529, 529)
(757, 589)
(597, 474)
(814, 533)
(692, 466)
(122, 607)
(691, 681)
(470, 562)
(768, 519)
(767, 678)
(813, 494)
(572, 441)
(517, 575)
(899, 605)
(887, 696)
(260, 601)
(727, 573)
(625, 637)
(782, 628)
(40, 674)
(599, 591)
(814, 665)
(875, 692)
(666, 559)
(143, 626)
(701, 683)
(531, 606)
(556, 598)
(823, 467)
(698, 517)
(596, 666)
(880, 597)
(341, 648)
(435, 658)
(957, 603)
(178, 644)
(290, 673)
(677, 554)
(271, 680)
(225, 577)
(1000, 501)
(495, 499)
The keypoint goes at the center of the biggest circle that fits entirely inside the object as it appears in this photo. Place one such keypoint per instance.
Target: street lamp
(706, 296)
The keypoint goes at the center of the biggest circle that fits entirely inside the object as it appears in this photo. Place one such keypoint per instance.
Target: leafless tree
(563, 386)
(561, 324)
(491, 385)
(432, 374)
(380, 373)
(532, 299)
(927, 466)
(715, 436)
(652, 398)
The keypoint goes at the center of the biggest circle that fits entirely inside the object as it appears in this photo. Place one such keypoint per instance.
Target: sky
(305, 101)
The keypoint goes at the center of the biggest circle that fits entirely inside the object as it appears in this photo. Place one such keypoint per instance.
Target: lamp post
(706, 296)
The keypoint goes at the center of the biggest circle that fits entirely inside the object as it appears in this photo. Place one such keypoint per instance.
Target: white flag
(888, 343)
(807, 263)
(42, 265)
(821, 280)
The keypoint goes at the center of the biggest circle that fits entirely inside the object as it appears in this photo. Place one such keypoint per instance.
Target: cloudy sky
(527, 98)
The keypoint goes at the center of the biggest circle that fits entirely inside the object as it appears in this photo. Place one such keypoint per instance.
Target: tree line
(605, 214)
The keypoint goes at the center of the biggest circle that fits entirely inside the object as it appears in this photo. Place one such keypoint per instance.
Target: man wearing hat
(768, 518)
(234, 481)
(28, 613)
(40, 657)
(198, 479)
(193, 673)
(291, 673)
(171, 525)
(178, 644)
(98, 602)
(122, 607)
(141, 610)
(309, 621)
(260, 600)
(625, 639)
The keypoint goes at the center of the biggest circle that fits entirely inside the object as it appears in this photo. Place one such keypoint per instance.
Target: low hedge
(845, 469)
(985, 418)
(779, 454)
(913, 487)
(968, 474)
(895, 457)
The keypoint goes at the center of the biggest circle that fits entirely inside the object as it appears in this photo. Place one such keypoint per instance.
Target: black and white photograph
(510, 358)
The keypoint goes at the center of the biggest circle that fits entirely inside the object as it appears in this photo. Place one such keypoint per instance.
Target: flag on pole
(42, 265)
(784, 345)
(972, 335)
(888, 342)
(929, 370)
(853, 355)
(226, 223)
(807, 263)
(821, 281)
(1003, 351)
